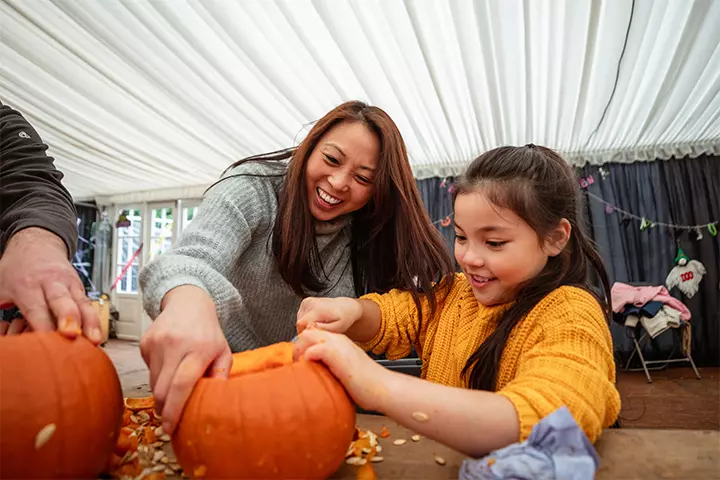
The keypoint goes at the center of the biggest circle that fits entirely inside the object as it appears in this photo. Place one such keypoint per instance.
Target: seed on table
(399, 441)
(440, 460)
(415, 438)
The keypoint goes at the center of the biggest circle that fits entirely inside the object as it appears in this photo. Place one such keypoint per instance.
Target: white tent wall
(149, 99)
(145, 103)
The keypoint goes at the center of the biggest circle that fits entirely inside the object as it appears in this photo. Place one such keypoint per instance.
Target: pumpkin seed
(134, 418)
(158, 468)
(164, 437)
(157, 456)
(440, 460)
(129, 457)
(366, 450)
(146, 471)
(165, 460)
(175, 467)
(356, 461)
(420, 416)
(144, 417)
(378, 449)
(415, 438)
(377, 459)
(44, 435)
(159, 431)
(169, 471)
(157, 444)
(400, 441)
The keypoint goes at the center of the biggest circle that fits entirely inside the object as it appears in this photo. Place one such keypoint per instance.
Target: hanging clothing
(666, 318)
(622, 294)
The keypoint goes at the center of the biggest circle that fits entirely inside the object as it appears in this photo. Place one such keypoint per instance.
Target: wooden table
(624, 454)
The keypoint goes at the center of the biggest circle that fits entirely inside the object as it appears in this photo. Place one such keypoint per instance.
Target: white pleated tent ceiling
(140, 100)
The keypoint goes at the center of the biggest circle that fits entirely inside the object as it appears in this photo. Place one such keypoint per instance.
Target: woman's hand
(331, 314)
(363, 378)
(184, 343)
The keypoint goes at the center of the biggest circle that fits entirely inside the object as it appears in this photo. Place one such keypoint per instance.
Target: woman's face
(340, 170)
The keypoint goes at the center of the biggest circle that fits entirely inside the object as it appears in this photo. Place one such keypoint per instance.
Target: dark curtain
(437, 197)
(678, 191)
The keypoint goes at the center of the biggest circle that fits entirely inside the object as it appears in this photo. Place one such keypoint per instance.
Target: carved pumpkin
(60, 407)
(272, 418)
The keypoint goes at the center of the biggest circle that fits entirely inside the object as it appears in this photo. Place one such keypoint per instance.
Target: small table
(625, 453)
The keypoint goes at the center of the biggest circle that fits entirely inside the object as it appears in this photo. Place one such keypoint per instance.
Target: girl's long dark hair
(542, 189)
(394, 244)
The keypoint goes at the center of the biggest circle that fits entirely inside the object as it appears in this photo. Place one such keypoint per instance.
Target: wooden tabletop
(624, 454)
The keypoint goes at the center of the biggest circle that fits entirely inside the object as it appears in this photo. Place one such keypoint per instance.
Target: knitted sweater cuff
(527, 417)
(154, 295)
(373, 342)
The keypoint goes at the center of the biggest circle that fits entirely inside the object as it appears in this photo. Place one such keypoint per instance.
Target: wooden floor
(674, 399)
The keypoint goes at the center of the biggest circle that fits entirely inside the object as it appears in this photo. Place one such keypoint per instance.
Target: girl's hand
(363, 378)
(331, 314)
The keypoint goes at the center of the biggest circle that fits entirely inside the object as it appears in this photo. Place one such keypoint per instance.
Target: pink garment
(623, 294)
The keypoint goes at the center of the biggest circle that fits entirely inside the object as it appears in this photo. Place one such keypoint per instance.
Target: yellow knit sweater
(560, 354)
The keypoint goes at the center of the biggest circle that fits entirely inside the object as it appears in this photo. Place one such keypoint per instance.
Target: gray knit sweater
(226, 252)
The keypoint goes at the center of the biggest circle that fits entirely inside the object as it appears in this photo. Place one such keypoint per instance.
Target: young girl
(518, 335)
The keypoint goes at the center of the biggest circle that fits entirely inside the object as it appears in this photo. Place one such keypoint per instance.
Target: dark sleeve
(31, 192)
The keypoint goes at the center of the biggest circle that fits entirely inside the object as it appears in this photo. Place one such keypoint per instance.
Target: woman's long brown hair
(541, 188)
(394, 244)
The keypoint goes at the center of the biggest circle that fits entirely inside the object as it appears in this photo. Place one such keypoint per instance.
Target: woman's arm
(231, 214)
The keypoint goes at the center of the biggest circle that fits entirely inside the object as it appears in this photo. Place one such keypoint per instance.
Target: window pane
(123, 250)
(188, 215)
(134, 279)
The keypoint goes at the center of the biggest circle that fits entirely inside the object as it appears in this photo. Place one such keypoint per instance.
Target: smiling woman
(340, 171)
(339, 215)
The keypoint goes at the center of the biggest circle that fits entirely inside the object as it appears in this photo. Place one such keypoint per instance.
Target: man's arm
(38, 235)
(31, 192)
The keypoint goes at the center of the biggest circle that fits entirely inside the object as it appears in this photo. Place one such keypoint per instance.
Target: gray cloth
(557, 449)
(226, 251)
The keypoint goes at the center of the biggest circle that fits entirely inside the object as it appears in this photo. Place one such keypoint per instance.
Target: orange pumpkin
(60, 407)
(270, 419)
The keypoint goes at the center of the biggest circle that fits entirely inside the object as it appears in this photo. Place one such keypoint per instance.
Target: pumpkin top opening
(263, 358)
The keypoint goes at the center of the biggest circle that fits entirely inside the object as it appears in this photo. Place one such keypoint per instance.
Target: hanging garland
(646, 223)
(610, 208)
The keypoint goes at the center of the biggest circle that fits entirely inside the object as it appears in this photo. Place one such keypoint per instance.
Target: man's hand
(36, 276)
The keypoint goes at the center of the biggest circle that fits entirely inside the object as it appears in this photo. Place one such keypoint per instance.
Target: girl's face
(340, 170)
(497, 250)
